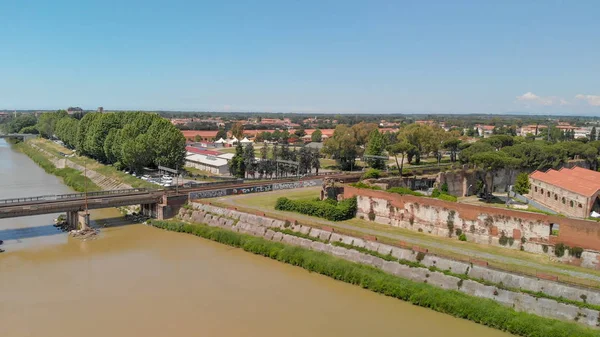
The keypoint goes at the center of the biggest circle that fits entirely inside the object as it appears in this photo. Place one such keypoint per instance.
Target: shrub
(435, 193)
(462, 237)
(447, 197)
(444, 188)
(458, 231)
(404, 190)
(503, 239)
(420, 256)
(372, 173)
(559, 249)
(330, 210)
(372, 215)
(360, 184)
(576, 252)
(545, 248)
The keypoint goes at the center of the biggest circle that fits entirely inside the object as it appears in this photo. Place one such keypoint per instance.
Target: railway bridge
(159, 204)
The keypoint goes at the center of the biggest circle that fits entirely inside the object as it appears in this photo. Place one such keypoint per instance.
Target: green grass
(71, 177)
(457, 304)
(106, 170)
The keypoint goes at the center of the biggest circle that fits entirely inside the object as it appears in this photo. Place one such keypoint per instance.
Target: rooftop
(578, 180)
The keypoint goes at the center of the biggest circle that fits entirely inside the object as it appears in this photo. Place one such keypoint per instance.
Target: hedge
(327, 209)
(457, 304)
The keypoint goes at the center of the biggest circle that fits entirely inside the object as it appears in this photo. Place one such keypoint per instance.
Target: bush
(372, 174)
(435, 193)
(559, 249)
(576, 252)
(330, 210)
(447, 197)
(462, 237)
(404, 190)
(444, 188)
(360, 184)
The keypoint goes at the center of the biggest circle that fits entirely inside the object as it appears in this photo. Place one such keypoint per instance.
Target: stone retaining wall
(262, 226)
(526, 231)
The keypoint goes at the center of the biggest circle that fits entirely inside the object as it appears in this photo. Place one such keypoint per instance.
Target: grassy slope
(106, 170)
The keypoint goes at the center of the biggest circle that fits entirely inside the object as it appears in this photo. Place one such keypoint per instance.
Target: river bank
(491, 312)
(70, 177)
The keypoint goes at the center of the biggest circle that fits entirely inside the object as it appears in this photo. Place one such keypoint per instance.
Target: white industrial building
(208, 163)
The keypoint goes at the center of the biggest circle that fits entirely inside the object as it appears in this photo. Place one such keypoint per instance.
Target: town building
(485, 130)
(531, 129)
(207, 160)
(570, 191)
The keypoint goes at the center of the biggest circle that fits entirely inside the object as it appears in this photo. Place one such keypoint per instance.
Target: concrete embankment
(554, 300)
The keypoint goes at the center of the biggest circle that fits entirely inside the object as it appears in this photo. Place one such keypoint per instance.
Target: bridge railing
(61, 197)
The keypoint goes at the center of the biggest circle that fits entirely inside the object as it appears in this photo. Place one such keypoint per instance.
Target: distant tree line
(245, 164)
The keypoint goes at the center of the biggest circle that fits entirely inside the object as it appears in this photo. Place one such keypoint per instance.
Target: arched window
(555, 196)
(542, 191)
(564, 200)
(580, 206)
(535, 188)
(548, 194)
(571, 203)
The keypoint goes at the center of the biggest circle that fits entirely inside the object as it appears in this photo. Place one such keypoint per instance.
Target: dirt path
(236, 201)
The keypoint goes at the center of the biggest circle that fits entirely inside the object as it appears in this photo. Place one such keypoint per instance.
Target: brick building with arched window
(574, 192)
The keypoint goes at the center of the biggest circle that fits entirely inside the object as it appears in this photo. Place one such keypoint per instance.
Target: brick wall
(431, 215)
(560, 200)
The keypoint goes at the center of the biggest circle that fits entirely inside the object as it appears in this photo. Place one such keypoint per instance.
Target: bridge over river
(22, 136)
(160, 204)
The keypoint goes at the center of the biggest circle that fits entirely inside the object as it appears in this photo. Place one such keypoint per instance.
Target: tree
(593, 134)
(342, 146)
(237, 168)
(522, 184)
(362, 131)
(16, 124)
(452, 145)
(300, 132)
(197, 138)
(402, 148)
(316, 162)
(221, 134)
(317, 136)
(249, 161)
(46, 124)
(237, 130)
(423, 139)
(375, 147)
(491, 161)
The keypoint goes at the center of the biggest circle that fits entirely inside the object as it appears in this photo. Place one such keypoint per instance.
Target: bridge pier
(148, 210)
(78, 220)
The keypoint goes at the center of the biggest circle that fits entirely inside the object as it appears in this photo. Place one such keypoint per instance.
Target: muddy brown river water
(135, 280)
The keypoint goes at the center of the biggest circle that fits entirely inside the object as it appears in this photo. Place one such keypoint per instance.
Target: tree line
(245, 164)
(132, 140)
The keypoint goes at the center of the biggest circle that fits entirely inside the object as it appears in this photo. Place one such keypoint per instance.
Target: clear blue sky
(302, 56)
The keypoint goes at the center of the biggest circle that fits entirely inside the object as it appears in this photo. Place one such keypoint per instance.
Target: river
(136, 280)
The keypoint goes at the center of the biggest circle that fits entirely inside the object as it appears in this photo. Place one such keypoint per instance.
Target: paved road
(234, 201)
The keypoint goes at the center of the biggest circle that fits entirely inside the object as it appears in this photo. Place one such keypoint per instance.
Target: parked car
(145, 177)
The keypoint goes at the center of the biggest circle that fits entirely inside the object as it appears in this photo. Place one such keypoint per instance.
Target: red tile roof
(202, 151)
(190, 134)
(578, 180)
